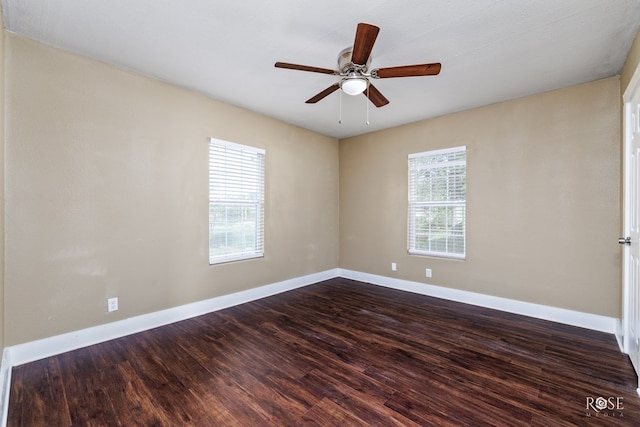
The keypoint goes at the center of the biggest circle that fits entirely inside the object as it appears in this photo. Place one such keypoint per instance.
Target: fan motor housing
(345, 65)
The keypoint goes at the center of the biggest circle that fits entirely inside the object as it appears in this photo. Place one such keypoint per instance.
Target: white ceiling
(490, 50)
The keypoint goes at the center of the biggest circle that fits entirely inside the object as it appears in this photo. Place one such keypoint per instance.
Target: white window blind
(236, 201)
(437, 203)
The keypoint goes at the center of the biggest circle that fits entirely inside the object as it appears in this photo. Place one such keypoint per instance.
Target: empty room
(269, 213)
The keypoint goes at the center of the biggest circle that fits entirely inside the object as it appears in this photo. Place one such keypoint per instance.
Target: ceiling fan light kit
(354, 85)
(353, 67)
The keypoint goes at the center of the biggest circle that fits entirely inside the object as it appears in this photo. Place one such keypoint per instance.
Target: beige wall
(107, 194)
(542, 202)
(633, 59)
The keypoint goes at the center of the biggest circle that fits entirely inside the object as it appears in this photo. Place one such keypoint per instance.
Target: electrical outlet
(427, 272)
(394, 267)
(112, 304)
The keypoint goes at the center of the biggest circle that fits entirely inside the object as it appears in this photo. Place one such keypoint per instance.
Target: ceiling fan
(353, 67)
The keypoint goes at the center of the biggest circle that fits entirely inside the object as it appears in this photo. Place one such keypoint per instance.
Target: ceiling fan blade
(407, 71)
(328, 91)
(304, 68)
(375, 96)
(366, 35)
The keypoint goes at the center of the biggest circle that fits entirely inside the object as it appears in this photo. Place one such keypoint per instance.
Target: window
(236, 202)
(437, 202)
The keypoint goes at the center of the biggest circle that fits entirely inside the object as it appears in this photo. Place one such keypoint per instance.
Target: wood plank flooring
(341, 353)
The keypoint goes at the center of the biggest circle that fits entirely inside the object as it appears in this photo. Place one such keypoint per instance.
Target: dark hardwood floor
(336, 353)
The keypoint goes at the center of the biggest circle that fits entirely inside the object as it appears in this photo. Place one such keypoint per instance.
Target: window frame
(234, 181)
(455, 204)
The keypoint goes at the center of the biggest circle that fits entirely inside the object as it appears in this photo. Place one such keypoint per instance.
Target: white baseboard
(5, 382)
(620, 335)
(35, 350)
(555, 314)
(46, 347)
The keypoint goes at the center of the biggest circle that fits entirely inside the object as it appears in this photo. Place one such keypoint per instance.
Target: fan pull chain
(367, 102)
(340, 108)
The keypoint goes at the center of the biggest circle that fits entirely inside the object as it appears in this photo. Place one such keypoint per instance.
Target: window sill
(437, 255)
(226, 260)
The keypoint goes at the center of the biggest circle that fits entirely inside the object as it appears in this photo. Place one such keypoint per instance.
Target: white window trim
(259, 253)
(438, 152)
(410, 204)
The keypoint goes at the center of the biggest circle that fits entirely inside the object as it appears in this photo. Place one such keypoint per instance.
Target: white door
(632, 221)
